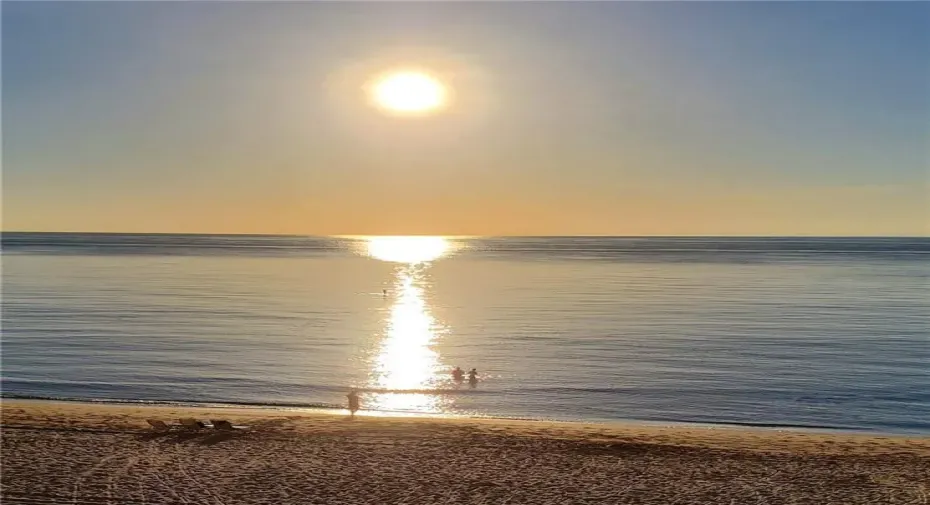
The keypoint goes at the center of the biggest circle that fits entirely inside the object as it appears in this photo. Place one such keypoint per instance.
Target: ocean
(783, 332)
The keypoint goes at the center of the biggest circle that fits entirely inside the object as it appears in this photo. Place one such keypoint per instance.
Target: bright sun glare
(407, 249)
(408, 93)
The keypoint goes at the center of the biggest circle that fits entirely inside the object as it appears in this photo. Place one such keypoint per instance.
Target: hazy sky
(569, 118)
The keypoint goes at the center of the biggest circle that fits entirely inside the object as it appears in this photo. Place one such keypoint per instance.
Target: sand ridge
(79, 453)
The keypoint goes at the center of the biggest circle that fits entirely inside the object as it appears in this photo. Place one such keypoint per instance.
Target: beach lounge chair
(191, 424)
(157, 425)
(222, 425)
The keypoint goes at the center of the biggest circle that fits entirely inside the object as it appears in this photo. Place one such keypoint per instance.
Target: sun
(408, 93)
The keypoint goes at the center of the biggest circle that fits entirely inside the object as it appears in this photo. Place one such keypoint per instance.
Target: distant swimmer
(353, 401)
(458, 375)
(473, 377)
(383, 292)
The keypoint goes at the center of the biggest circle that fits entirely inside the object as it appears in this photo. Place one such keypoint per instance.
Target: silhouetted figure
(353, 401)
(473, 377)
(384, 292)
(458, 375)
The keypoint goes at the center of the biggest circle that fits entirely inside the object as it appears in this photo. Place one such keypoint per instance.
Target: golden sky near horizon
(853, 211)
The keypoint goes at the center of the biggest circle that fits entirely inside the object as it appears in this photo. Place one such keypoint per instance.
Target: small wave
(464, 390)
(327, 406)
(179, 403)
(748, 424)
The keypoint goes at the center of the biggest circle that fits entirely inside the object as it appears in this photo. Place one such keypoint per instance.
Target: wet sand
(97, 454)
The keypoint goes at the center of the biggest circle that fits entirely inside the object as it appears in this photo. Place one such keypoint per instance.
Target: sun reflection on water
(408, 250)
(407, 363)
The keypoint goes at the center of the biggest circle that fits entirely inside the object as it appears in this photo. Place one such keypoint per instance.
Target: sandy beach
(90, 454)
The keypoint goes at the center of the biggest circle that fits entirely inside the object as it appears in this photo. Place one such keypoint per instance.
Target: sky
(569, 118)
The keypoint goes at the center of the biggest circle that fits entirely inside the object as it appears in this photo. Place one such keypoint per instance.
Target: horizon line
(362, 236)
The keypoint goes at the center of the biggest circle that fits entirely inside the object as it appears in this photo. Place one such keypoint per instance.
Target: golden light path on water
(407, 359)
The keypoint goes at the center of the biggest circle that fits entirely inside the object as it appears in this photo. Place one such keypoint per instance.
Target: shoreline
(42, 414)
(67, 452)
(327, 409)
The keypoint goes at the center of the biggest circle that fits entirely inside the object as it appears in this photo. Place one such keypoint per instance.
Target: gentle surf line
(328, 406)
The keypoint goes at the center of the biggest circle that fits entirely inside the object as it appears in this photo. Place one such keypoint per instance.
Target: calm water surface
(800, 332)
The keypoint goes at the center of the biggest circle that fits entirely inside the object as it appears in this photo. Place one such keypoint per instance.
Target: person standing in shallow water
(353, 401)
(473, 377)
